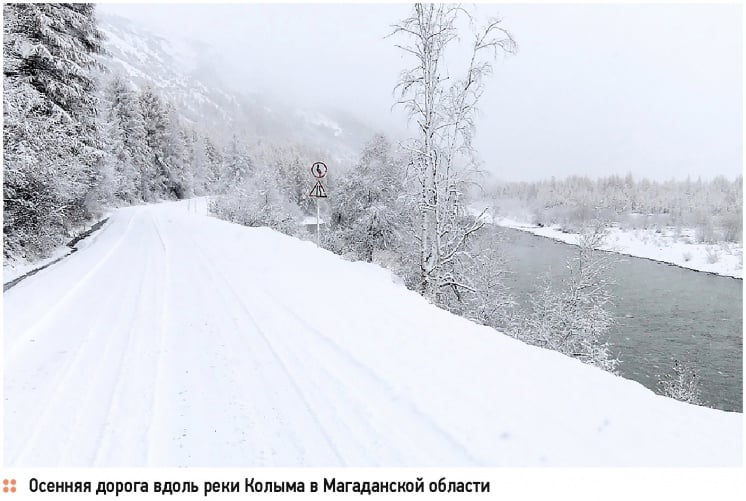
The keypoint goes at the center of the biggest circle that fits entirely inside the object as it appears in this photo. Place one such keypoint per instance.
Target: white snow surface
(723, 258)
(176, 339)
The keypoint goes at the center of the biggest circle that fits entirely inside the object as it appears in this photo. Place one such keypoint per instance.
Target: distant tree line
(714, 208)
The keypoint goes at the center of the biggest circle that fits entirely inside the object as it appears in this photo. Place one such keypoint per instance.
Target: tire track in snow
(56, 308)
(224, 380)
(377, 380)
(458, 394)
(412, 413)
(121, 356)
(269, 400)
(45, 416)
(291, 379)
(164, 323)
(376, 384)
(130, 357)
(184, 423)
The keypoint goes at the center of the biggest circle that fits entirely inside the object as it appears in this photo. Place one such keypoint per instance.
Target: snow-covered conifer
(366, 207)
(51, 148)
(155, 119)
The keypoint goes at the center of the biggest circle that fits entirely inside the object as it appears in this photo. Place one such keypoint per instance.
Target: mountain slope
(188, 73)
(172, 338)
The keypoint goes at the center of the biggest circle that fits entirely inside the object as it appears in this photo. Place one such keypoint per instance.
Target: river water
(662, 313)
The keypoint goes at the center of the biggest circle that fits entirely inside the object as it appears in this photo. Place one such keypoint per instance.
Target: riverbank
(723, 258)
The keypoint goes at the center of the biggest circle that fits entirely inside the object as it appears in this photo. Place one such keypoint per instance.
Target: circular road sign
(318, 169)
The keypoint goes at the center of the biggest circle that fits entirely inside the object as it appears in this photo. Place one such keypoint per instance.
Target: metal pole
(318, 225)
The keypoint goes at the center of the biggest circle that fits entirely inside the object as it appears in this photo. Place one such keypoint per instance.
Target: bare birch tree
(442, 157)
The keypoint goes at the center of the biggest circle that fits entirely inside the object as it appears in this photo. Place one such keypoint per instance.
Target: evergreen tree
(366, 209)
(214, 168)
(51, 148)
(197, 160)
(154, 173)
(177, 170)
(125, 140)
(238, 166)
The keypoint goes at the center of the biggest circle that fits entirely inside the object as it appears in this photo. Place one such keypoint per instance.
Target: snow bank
(724, 259)
(175, 339)
(14, 268)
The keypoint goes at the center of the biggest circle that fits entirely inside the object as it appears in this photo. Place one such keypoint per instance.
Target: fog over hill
(188, 74)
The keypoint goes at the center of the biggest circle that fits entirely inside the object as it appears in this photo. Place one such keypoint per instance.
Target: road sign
(318, 169)
(318, 190)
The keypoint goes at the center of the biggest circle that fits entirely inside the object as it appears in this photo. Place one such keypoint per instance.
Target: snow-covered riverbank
(723, 258)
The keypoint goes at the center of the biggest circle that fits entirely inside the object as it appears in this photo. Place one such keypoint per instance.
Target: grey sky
(654, 90)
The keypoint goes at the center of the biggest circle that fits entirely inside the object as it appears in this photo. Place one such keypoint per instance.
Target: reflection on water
(662, 313)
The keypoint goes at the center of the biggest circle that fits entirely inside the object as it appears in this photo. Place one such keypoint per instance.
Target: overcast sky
(654, 90)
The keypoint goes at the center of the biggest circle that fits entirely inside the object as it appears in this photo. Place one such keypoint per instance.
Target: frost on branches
(77, 139)
(50, 143)
(367, 209)
(682, 384)
(442, 158)
(575, 319)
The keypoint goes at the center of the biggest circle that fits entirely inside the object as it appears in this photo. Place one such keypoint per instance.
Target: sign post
(318, 170)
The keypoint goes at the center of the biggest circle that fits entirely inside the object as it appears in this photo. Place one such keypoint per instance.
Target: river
(662, 312)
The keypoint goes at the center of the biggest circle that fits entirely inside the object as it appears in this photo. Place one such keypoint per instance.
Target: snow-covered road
(172, 338)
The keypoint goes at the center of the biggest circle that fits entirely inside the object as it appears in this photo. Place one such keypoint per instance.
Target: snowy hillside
(172, 338)
(187, 73)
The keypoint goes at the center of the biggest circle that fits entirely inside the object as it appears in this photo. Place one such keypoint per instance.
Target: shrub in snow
(712, 255)
(687, 256)
(732, 226)
(575, 319)
(257, 201)
(367, 210)
(489, 302)
(682, 384)
(705, 233)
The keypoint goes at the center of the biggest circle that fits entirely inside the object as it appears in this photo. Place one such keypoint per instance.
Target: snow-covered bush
(257, 201)
(575, 318)
(713, 256)
(367, 210)
(490, 301)
(682, 384)
(732, 226)
(705, 232)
